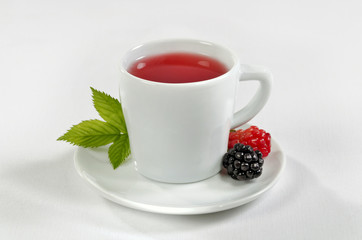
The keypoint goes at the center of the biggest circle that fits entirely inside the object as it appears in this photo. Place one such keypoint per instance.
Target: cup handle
(250, 72)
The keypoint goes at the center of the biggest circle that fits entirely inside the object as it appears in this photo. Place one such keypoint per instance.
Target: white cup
(179, 132)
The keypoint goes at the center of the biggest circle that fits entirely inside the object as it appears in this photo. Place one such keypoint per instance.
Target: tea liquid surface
(177, 68)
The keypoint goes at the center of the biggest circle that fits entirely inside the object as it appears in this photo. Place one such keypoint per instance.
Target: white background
(51, 52)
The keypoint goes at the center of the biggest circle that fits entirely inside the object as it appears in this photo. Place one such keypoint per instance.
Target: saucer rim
(187, 210)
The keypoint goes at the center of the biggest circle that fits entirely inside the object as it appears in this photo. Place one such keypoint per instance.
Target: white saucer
(127, 187)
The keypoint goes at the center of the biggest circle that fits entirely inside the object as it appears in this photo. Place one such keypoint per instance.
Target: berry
(243, 163)
(257, 138)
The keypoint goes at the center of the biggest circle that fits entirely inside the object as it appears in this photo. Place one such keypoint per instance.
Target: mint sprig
(96, 133)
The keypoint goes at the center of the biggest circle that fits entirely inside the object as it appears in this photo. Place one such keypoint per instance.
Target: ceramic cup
(179, 132)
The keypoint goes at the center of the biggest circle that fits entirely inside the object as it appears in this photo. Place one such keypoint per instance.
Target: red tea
(177, 68)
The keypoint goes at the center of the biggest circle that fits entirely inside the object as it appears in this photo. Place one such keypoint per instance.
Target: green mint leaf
(110, 109)
(91, 133)
(96, 133)
(119, 151)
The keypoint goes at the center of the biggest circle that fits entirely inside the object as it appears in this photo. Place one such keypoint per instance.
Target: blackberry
(242, 163)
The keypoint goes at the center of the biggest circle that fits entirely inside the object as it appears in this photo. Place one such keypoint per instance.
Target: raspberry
(257, 138)
(243, 163)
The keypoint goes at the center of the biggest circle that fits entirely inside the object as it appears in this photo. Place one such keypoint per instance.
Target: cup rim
(232, 56)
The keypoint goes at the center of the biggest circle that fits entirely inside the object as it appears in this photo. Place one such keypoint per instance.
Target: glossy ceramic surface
(127, 187)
